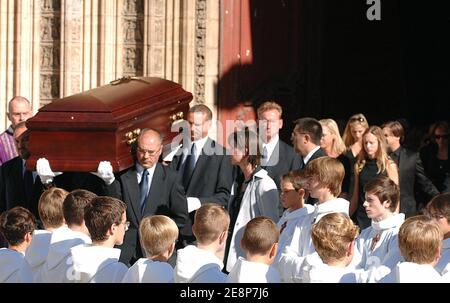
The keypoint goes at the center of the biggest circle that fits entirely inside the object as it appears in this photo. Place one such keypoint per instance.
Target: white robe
(97, 264)
(443, 264)
(10, 263)
(260, 198)
(407, 272)
(196, 265)
(252, 272)
(291, 219)
(301, 244)
(149, 271)
(315, 271)
(35, 256)
(58, 268)
(386, 251)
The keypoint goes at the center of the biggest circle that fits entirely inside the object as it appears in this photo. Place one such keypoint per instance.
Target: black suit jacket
(166, 197)
(211, 179)
(12, 191)
(279, 164)
(411, 173)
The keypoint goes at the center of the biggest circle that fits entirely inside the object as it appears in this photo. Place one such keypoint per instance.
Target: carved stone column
(6, 58)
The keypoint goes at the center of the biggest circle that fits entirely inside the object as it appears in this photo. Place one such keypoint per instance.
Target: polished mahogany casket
(77, 132)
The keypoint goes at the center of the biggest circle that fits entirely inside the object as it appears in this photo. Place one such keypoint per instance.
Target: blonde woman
(353, 132)
(372, 161)
(333, 145)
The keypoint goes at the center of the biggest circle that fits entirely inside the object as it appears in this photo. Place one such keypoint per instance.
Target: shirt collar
(394, 221)
(10, 130)
(140, 169)
(199, 144)
(271, 145)
(308, 156)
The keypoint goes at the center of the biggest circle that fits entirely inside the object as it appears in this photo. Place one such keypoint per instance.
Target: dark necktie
(143, 188)
(189, 166)
(264, 158)
(28, 184)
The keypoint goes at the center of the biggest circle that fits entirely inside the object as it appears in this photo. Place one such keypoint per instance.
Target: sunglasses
(441, 136)
(359, 119)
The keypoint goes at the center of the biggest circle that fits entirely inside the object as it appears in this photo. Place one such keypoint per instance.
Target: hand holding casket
(105, 172)
(44, 171)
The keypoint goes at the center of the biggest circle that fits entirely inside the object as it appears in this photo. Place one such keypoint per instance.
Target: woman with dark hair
(256, 195)
(434, 156)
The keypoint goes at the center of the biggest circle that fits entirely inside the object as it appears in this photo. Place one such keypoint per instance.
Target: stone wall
(50, 49)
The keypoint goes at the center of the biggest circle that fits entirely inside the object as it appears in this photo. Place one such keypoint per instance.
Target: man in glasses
(410, 170)
(148, 188)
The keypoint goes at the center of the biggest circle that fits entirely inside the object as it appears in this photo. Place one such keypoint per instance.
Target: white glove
(45, 172)
(105, 172)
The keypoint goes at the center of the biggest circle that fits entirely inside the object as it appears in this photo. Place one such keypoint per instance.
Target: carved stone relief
(133, 36)
(49, 86)
(50, 5)
(76, 29)
(49, 57)
(50, 28)
(159, 31)
(133, 30)
(200, 42)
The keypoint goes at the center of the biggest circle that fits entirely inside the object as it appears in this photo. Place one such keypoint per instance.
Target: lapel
(156, 191)
(401, 163)
(130, 179)
(274, 159)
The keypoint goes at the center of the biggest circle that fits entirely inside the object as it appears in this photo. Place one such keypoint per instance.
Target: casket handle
(131, 136)
(176, 117)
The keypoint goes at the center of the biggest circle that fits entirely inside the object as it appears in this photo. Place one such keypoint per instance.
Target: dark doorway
(326, 59)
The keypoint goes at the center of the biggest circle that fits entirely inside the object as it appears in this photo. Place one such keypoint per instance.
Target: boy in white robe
(58, 267)
(50, 208)
(203, 263)
(439, 209)
(158, 235)
(260, 241)
(16, 226)
(333, 237)
(293, 192)
(98, 262)
(419, 240)
(377, 245)
(325, 175)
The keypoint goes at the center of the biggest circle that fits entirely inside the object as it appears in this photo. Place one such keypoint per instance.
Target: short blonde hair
(209, 222)
(50, 207)
(328, 171)
(157, 233)
(297, 178)
(338, 144)
(331, 236)
(269, 105)
(419, 239)
(259, 236)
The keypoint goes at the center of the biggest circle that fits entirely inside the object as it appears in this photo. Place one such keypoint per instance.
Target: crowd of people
(353, 209)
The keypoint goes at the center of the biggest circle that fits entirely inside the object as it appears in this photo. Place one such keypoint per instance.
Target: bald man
(19, 109)
(148, 188)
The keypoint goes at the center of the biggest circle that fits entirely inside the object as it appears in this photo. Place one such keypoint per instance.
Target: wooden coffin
(77, 132)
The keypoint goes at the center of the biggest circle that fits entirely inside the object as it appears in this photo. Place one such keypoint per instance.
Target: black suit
(166, 197)
(211, 178)
(410, 172)
(12, 187)
(282, 162)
